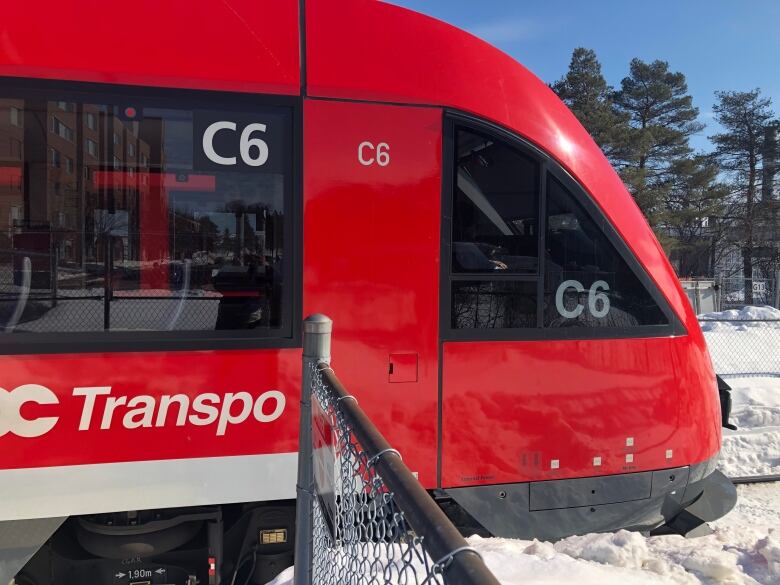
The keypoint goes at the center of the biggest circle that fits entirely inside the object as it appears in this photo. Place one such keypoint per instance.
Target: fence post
(316, 349)
(777, 289)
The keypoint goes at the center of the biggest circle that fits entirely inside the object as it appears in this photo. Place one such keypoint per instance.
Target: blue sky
(717, 44)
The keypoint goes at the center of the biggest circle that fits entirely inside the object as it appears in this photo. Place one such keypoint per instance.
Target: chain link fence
(363, 518)
(745, 354)
(359, 532)
(709, 295)
(743, 347)
(738, 292)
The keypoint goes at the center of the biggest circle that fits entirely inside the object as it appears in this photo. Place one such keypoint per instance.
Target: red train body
(503, 348)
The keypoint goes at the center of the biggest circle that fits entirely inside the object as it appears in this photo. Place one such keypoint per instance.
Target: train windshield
(125, 214)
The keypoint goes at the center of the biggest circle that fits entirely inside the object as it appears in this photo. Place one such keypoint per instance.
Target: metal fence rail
(743, 347)
(362, 515)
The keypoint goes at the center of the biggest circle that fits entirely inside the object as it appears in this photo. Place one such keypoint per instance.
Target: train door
(372, 191)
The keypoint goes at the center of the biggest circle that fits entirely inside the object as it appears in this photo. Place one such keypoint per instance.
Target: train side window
(178, 231)
(495, 235)
(586, 282)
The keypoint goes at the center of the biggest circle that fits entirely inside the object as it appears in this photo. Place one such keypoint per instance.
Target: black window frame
(455, 120)
(289, 334)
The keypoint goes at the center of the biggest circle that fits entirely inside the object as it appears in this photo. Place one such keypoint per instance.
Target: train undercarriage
(251, 543)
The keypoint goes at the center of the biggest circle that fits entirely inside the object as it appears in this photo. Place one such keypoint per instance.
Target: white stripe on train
(47, 492)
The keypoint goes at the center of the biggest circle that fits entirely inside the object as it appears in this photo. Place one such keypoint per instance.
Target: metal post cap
(317, 323)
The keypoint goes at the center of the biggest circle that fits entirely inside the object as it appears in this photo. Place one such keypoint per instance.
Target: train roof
(355, 49)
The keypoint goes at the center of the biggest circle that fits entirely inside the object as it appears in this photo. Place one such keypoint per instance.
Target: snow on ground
(743, 550)
(754, 448)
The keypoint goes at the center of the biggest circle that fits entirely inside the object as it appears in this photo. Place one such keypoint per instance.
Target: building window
(91, 120)
(131, 149)
(69, 165)
(117, 139)
(16, 148)
(61, 130)
(15, 215)
(56, 159)
(92, 147)
(16, 117)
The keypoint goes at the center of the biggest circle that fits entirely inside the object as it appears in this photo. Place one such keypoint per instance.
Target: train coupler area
(713, 497)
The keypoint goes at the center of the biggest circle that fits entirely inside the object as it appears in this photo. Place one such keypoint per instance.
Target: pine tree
(661, 119)
(693, 209)
(744, 116)
(587, 94)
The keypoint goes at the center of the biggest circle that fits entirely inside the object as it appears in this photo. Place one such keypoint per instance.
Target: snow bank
(754, 448)
(743, 550)
(765, 313)
(593, 559)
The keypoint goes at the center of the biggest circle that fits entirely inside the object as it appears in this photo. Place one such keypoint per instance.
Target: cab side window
(495, 235)
(587, 283)
(529, 254)
(495, 208)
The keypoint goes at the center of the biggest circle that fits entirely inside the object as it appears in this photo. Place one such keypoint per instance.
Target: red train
(181, 182)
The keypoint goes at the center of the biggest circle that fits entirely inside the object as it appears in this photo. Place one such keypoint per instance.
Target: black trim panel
(550, 510)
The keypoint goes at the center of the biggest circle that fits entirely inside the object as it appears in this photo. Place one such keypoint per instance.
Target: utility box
(704, 295)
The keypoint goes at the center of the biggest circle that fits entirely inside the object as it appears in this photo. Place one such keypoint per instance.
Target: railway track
(755, 479)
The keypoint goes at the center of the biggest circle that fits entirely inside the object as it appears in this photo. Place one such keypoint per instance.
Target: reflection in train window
(112, 220)
(493, 304)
